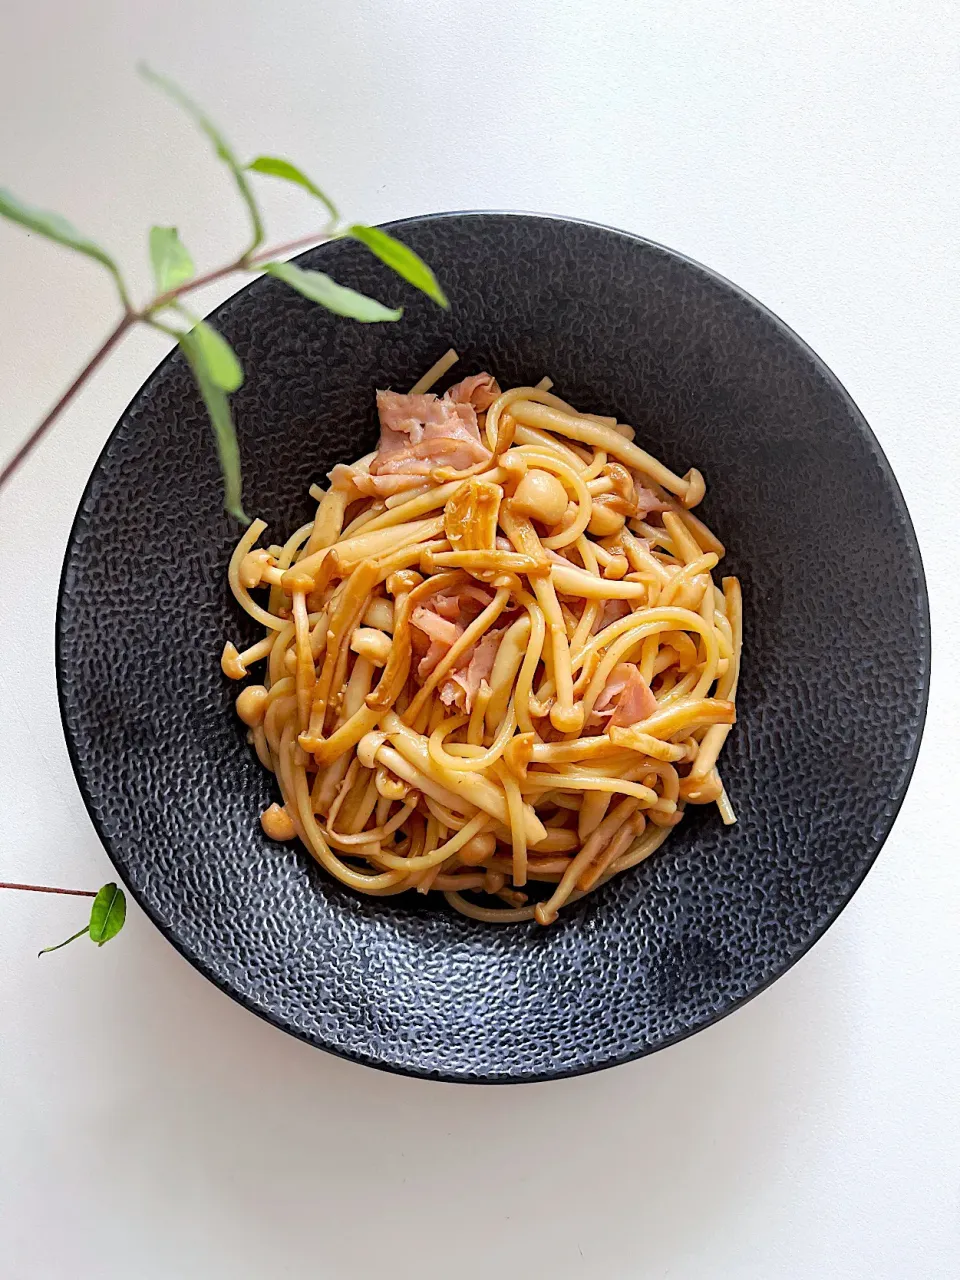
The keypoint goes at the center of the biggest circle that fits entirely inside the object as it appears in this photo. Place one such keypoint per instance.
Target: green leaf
(58, 229)
(172, 264)
(220, 145)
(107, 914)
(277, 167)
(53, 226)
(73, 937)
(218, 407)
(401, 259)
(341, 301)
(222, 366)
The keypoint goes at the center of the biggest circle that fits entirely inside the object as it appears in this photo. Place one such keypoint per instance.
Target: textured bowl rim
(897, 798)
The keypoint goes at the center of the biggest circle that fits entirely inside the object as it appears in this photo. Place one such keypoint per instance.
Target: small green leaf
(222, 366)
(107, 914)
(218, 407)
(172, 264)
(277, 167)
(341, 301)
(58, 229)
(53, 226)
(73, 937)
(220, 145)
(401, 259)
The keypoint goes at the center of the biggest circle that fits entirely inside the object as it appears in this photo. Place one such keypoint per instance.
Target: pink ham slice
(479, 390)
(626, 697)
(447, 447)
(464, 601)
(461, 687)
(364, 485)
(418, 433)
(442, 620)
(612, 611)
(436, 626)
(421, 432)
(441, 633)
(647, 501)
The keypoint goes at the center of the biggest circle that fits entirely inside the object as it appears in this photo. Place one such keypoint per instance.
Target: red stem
(38, 433)
(241, 264)
(46, 888)
(127, 320)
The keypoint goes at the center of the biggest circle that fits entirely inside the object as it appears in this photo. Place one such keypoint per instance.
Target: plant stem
(245, 262)
(73, 937)
(92, 364)
(303, 242)
(46, 888)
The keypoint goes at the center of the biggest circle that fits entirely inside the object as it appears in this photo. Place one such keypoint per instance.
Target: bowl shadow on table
(297, 1155)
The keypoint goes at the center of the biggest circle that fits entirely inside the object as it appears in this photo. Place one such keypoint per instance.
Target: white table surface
(149, 1127)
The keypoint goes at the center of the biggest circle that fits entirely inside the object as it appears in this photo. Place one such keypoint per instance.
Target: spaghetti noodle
(496, 657)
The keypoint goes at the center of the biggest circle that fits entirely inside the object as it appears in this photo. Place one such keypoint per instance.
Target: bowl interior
(830, 711)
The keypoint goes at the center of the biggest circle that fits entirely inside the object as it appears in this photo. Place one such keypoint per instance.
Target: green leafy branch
(214, 364)
(107, 914)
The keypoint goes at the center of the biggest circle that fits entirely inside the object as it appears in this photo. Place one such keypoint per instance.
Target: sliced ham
(636, 702)
(441, 633)
(437, 449)
(420, 432)
(461, 687)
(436, 627)
(405, 419)
(465, 601)
(441, 620)
(626, 697)
(364, 485)
(438, 623)
(430, 653)
(479, 390)
(647, 502)
(612, 611)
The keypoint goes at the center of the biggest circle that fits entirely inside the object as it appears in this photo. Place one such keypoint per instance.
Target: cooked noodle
(496, 658)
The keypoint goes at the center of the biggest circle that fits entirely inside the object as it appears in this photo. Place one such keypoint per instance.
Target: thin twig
(304, 242)
(46, 888)
(93, 363)
(245, 262)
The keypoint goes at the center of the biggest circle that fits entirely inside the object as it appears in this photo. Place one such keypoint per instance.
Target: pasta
(497, 665)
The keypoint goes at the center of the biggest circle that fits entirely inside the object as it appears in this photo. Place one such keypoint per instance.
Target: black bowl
(832, 698)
